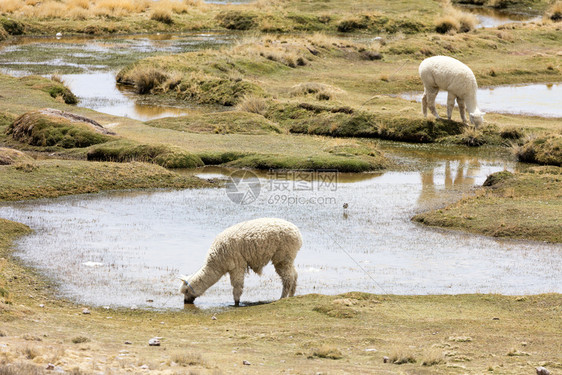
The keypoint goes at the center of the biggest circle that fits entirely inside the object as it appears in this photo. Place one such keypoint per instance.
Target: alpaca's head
(187, 290)
(477, 117)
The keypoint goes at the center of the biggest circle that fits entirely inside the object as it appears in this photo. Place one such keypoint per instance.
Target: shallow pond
(544, 100)
(489, 17)
(125, 248)
(88, 66)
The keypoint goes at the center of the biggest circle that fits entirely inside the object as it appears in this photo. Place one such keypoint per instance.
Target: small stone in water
(385, 359)
(85, 311)
(41, 305)
(246, 363)
(154, 342)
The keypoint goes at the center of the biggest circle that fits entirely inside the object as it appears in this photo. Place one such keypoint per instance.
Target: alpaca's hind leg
(237, 282)
(288, 275)
(431, 95)
(462, 110)
(450, 105)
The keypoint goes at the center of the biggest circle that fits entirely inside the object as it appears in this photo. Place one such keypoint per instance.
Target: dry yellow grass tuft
(455, 20)
(400, 355)
(253, 104)
(84, 9)
(162, 15)
(10, 6)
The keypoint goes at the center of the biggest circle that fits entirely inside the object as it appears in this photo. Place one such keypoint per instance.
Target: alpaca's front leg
(237, 282)
(450, 105)
(462, 110)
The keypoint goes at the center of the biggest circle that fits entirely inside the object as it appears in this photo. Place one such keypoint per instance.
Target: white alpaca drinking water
(244, 246)
(451, 75)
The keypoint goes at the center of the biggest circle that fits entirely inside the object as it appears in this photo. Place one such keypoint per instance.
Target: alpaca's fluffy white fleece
(244, 246)
(451, 75)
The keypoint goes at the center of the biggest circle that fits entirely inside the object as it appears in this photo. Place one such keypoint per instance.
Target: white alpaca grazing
(451, 75)
(244, 246)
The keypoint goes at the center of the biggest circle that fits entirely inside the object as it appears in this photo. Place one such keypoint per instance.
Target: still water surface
(124, 248)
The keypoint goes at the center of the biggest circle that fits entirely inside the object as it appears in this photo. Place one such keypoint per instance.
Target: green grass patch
(165, 156)
(313, 162)
(53, 178)
(335, 121)
(219, 123)
(55, 89)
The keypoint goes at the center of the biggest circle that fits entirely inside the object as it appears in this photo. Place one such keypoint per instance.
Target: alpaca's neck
(204, 279)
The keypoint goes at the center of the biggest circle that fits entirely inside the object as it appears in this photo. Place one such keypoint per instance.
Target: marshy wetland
(426, 241)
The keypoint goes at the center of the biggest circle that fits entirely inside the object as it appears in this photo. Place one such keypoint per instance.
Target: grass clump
(327, 351)
(12, 27)
(237, 20)
(544, 149)
(145, 79)
(162, 15)
(80, 339)
(455, 20)
(253, 104)
(186, 359)
(320, 91)
(432, 357)
(401, 355)
(54, 128)
(162, 155)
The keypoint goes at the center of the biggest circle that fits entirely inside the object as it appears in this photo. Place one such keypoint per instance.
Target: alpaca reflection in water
(456, 175)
